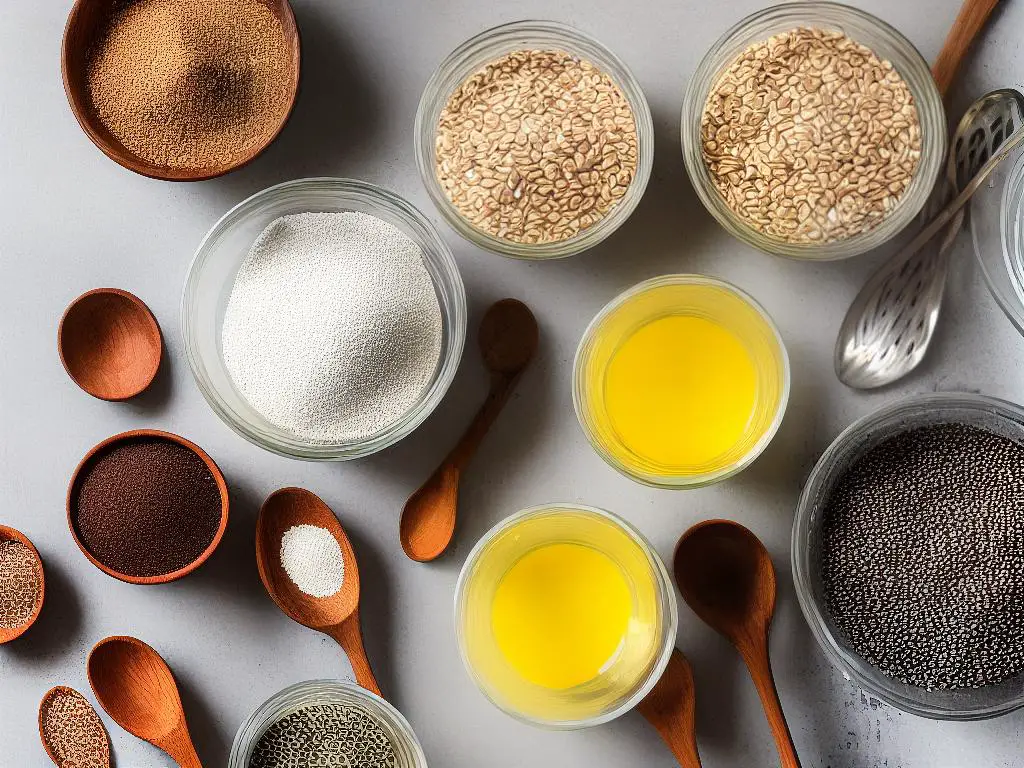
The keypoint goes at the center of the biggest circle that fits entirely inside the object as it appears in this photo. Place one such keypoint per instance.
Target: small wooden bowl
(110, 344)
(12, 534)
(85, 24)
(126, 437)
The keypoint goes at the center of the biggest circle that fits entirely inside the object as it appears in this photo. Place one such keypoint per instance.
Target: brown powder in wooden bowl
(191, 84)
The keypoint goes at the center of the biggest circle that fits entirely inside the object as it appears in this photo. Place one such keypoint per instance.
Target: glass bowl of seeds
(326, 722)
(813, 130)
(534, 140)
(323, 319)
(906, 555)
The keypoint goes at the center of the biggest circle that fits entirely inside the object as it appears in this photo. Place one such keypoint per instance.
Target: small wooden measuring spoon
(13, 534)
(508, 341)
(726, 576)
(670, 708)
(336, 616)
(44, 706)
(136, 688)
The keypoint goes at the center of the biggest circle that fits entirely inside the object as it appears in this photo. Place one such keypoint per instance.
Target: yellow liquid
(680, 391)
(560, 615)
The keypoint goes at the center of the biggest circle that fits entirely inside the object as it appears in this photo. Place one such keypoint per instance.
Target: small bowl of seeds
(907, 559)
(534, 140)
(813, 130)
(326, 722)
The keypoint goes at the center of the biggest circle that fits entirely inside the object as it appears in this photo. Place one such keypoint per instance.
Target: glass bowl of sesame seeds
(813, 130)
(328, 721)
(929, 673)
(534, 140)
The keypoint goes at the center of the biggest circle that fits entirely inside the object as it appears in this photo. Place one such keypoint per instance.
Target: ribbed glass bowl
(407, 747)
(864, 28)
(211, 278)
(996, 222)
(493, 44)
(998, 416)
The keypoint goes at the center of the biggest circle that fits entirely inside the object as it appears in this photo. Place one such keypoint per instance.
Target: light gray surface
(72, 220)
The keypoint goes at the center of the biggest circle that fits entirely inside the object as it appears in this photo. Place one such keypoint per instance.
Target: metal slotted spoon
(887, 329)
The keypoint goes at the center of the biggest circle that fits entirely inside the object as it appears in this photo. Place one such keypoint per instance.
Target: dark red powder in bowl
(146, 507)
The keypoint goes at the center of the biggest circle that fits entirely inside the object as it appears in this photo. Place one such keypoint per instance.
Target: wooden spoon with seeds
(136, 688)
(12, 633)
(508, 341)
(101, 759)
(337, 615)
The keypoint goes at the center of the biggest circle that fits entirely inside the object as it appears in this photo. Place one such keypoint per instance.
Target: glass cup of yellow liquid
(565, 616)
(681, 381)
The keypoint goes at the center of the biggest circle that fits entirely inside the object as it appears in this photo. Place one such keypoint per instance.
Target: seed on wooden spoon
(726, 576)
(71, 731)
(337, 615)
(22, 584)
(508, 341)
(136, 688)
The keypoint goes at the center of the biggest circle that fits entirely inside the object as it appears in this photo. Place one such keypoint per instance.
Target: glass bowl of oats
(534, 140)
(813, 130)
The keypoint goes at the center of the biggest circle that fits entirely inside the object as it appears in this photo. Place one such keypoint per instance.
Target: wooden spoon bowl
(44, 707)
(86, 23)
(337, 615)
(12, 534)
(137, 689)
(142, 434)
(110, 344)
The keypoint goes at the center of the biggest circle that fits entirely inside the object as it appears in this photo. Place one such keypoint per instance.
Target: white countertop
(72, 220)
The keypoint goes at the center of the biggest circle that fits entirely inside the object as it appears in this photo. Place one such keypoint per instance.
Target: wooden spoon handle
(969, 22)
(669, 707)
(501, 388)
(349, 635)
(756, 657)
(178, 744)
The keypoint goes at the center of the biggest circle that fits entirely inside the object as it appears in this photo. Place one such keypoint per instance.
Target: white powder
(333, 329)
(312, 558)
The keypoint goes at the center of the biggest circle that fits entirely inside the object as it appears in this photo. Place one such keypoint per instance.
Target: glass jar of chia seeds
(318, 693)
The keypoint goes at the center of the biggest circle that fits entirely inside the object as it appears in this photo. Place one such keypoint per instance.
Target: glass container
(1001, 417)
(488, 46)
(864, 28)
(211, 278)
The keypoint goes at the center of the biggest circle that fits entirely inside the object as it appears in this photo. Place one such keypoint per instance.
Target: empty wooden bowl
(12, 534)
(86, 23)
(110, 344)
(141, 434)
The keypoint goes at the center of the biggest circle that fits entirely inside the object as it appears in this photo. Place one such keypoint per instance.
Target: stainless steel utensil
(887, 329)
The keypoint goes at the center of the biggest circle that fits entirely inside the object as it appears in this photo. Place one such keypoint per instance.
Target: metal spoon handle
(958, 202)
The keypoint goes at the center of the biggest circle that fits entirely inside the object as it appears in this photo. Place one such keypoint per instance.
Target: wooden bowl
(12, 534)
(110, 344)
(85, 24)
(126, 437)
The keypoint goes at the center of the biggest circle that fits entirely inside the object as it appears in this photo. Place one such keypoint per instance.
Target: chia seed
(325, 735)
(923, 557)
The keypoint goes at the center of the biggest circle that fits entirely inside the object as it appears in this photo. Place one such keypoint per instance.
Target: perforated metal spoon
(887, 329)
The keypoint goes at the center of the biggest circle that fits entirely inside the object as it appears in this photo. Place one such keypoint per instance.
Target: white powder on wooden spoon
(312, 558)
(333, 328)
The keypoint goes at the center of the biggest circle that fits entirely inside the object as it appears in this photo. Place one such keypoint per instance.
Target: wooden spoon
(136, 688)
(508, 341)
(726, 576)
(104, 758)
(336, 616)
(12, 534)
(670, 708)
(969, 22)
(110, 344)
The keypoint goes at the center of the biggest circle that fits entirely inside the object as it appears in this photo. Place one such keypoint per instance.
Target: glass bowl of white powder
(323, 319)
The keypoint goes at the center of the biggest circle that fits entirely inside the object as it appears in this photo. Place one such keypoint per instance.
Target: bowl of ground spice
(329, 723)
(324, 319)
(907, 555)
(534, 140)
(813, 130)
(181, 90)
(147, 507)
(22, 585)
